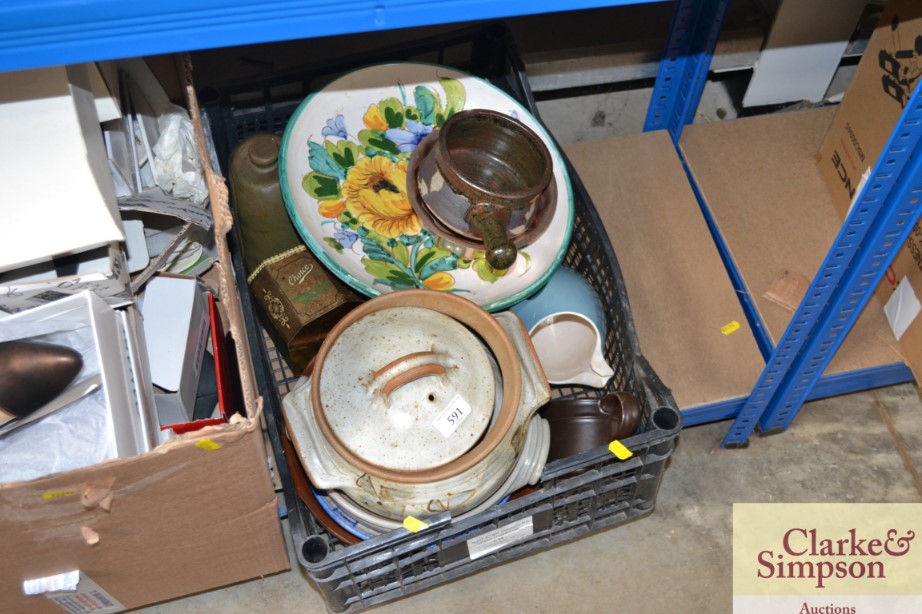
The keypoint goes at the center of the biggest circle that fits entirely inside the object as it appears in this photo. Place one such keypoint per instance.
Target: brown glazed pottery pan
(578, 425)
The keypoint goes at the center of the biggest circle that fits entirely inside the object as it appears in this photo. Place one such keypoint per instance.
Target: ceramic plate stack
(343, 171)
(419, 403)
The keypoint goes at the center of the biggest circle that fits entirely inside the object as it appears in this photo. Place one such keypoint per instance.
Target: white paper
(136, 245)
(902, 307)
(73, 437)
(176, 163)
(66, 581)
(107, 103)
(802, 51)
(859, 189)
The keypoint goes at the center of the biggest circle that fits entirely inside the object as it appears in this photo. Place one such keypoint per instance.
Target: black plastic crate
(576, 495)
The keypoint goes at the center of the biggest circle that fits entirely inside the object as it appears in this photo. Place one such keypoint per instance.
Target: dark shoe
(32, 374)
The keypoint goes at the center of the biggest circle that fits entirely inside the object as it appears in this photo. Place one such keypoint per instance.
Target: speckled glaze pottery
(399, 411)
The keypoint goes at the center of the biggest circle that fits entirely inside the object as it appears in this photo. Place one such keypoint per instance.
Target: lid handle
(407, 369)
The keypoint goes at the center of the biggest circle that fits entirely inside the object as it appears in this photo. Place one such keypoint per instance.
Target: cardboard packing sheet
(775, 214)
(681, 297)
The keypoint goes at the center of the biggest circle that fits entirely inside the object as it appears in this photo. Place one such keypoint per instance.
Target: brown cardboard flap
(218, 195)
(787, 289)
(679, 291)
(760, 180)
(873, 103)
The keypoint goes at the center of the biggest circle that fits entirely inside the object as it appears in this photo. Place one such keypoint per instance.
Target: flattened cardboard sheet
(760, 180)
(679, 291)
(802, 51)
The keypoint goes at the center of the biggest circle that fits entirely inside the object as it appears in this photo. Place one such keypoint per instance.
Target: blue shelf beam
(861, 379)
(683, 70)
(36, 33)
(828, 386)
(876, 227)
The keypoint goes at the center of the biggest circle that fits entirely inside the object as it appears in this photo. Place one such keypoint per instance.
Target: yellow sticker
(414, 524)
(618, 449)
(207, 444)
(731, 327)
(58, 494)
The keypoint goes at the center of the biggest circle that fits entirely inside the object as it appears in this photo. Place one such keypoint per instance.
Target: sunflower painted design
(376, 195)
(360, 185)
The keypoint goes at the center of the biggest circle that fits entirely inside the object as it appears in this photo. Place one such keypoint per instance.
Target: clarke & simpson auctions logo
(848, 557)
(827, 558)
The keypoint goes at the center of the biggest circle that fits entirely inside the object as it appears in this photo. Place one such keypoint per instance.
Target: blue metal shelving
(873, 233)
(877, 226)
(35, 33)
(683, 70)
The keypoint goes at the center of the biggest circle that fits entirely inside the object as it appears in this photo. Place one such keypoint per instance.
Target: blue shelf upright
(693, 34)
(876, 227)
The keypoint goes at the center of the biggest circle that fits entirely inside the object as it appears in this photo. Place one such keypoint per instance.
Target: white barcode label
(74, 592)
(452, 416)
(500, 538)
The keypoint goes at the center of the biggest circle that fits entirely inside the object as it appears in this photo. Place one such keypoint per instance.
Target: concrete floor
(679, 559)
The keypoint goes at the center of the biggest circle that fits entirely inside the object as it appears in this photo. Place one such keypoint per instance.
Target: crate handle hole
(665, 418)
(314, 549)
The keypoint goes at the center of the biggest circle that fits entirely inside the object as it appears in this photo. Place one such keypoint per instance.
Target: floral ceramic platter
(343, 174)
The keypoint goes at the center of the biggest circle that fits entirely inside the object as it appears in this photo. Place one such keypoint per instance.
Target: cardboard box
(132, 329)
(194, 514)
(868, 114)
(175, 329)
(103, 270)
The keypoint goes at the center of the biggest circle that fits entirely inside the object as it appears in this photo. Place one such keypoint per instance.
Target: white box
(58, 197)
(93, 329)
(139, 373)
(175, 330)
(103, 270)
